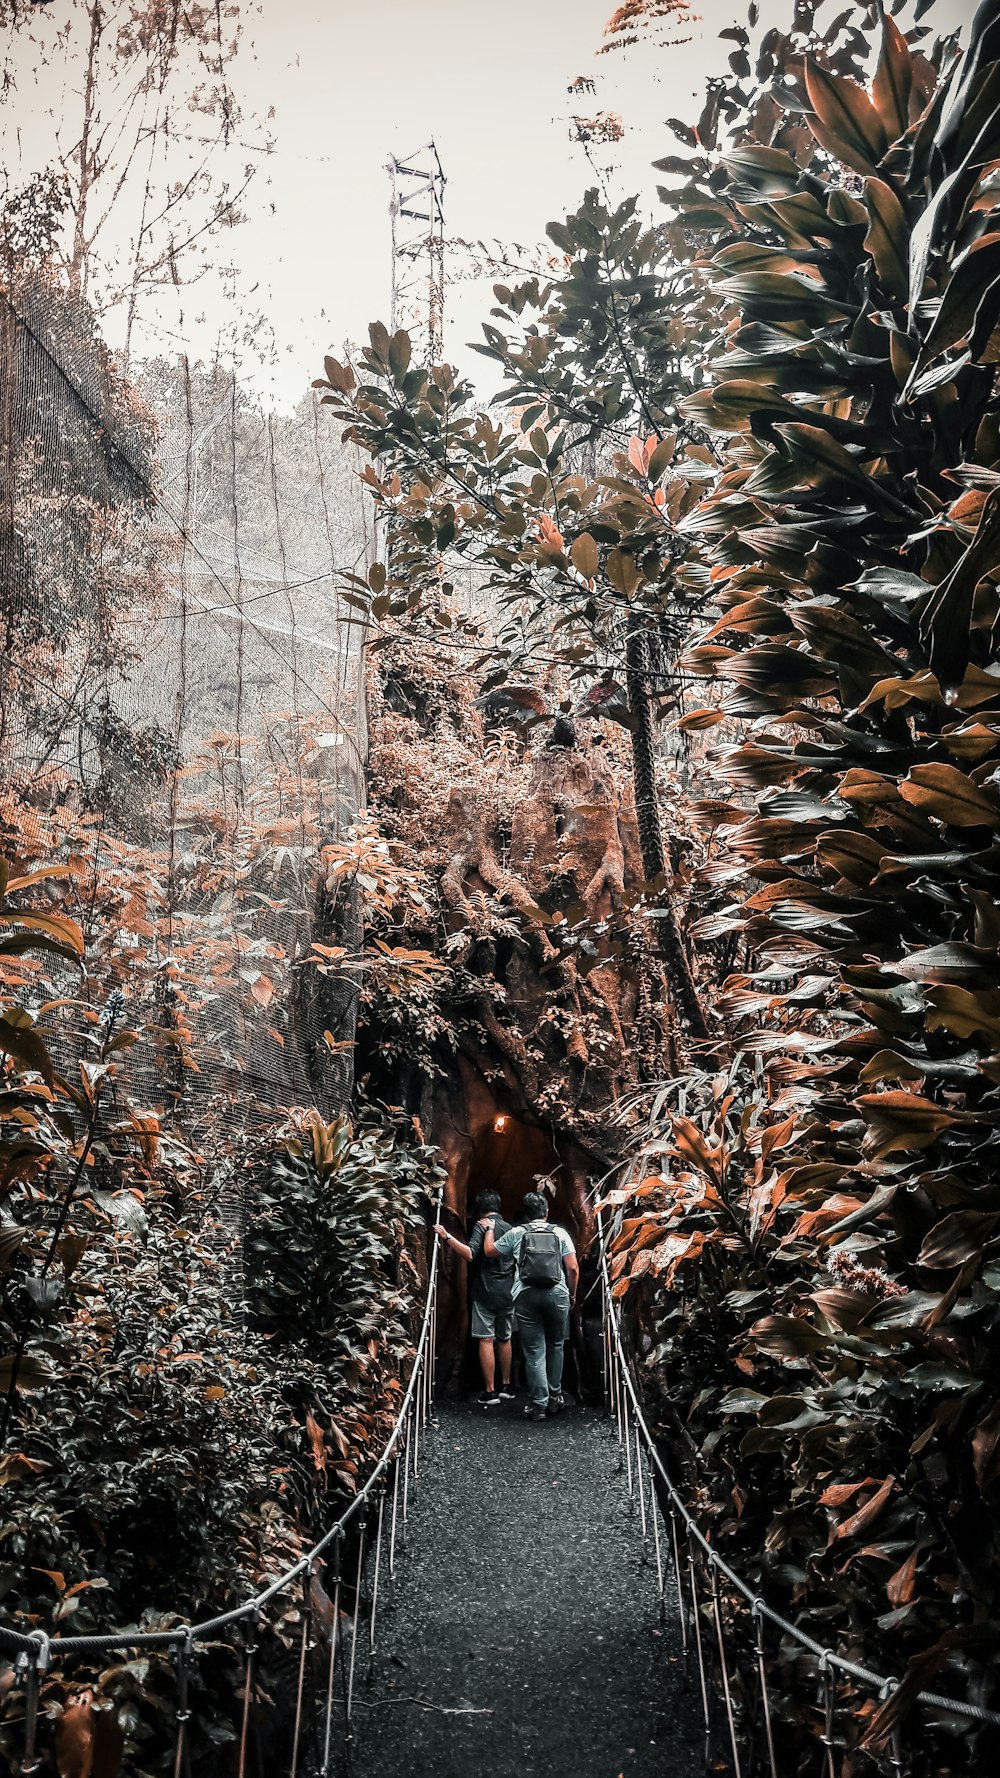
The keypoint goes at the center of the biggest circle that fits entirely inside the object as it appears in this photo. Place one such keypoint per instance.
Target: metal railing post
(249, 1652)
(36, 1661)
(303, 1656)
(758, 1617)
(639, 1482)
(724, 1664)
(393, 1518)
(406, 1480)
(654, 1509)
(357, 1616)
(679, 1582)
(334, 1638)
(183, 1714)
(375, 1581)
(696, 1620)
(827, 1699)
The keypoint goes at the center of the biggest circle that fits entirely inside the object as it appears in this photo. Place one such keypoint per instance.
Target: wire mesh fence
(181, 700)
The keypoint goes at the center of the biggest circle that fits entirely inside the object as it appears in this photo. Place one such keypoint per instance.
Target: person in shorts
(546, 1278)
(491, 1298)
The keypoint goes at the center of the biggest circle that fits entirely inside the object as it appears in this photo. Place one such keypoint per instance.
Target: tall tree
(133, 110)
(573, 512)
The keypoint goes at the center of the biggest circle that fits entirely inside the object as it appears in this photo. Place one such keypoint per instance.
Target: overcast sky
(352, 83)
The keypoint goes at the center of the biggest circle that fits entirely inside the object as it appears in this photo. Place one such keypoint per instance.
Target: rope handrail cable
(758, 1606)
(39, 1644)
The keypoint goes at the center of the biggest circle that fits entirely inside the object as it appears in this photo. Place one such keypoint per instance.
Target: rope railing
(401, 1454)
(635, 1440)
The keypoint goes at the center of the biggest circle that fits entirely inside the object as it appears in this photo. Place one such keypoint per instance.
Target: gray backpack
(539, 1262)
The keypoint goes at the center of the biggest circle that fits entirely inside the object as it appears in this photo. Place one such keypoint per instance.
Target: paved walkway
(524, 1640)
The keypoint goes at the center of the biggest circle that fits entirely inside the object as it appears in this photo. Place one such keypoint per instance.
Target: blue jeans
(542, 1321)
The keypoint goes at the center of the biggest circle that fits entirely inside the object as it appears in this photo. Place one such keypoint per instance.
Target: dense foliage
(767, 435)
(818, 1276)
(174, 1432)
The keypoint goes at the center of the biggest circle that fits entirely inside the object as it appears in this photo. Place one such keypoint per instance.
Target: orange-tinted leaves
(898, 1122)
(888, 237)
(583, 555)
(949, 795)
(965, 1013)
(893, 83)
(785, 1336)
(868, 1513)
(316, 1440)
(946, 614)
(673, 1250)
(845, 1309)
(902, 1584)
(845, 122)
(691, 1145)
(74, 1738)
(986, 1447)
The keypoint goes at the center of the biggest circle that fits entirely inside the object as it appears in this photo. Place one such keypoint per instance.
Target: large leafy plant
(162, 1456)
(819, 1273)
(569, 510)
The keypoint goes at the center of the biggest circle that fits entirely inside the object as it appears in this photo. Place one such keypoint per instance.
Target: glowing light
(500, 1124)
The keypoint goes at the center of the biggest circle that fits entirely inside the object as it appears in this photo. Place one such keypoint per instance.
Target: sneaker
(556, 1404)
(507, 1392)
(534, 1412)
(488, 1398)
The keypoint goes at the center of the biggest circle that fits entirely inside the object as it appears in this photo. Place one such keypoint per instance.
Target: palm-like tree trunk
(670, 942)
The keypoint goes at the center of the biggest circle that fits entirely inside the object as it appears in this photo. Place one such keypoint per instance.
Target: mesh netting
(181, 703)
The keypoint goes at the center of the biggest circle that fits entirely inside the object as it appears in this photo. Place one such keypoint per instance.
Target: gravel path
(524, 1640)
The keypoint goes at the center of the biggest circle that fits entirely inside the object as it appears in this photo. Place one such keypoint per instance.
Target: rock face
(528, 846)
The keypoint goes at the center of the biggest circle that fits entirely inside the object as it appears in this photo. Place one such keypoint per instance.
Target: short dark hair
(534, 1204)
(487, 1203)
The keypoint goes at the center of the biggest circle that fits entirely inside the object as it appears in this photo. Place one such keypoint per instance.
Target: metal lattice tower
(416, 209)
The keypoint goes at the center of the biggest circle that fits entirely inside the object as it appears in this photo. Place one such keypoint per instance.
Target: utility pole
(416, 210)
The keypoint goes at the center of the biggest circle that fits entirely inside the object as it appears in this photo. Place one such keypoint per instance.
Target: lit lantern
(500, 1124)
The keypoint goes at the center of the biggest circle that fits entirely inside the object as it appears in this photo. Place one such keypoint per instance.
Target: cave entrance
(494, 1150)
(511, 1158)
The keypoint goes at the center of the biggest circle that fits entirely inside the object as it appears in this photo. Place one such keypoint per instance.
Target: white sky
(352, 81)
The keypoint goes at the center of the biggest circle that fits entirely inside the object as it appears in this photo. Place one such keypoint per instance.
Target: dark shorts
(489, 1323)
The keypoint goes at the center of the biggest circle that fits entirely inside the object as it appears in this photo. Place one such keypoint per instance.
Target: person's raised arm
(571, 1266)
(489, 1238)
(452, 1241)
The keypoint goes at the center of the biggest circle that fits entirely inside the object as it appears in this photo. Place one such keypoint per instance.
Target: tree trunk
(670, 943)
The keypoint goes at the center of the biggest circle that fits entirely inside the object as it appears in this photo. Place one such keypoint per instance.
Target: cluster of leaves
(815, 1264)
(167, 1449)
(204, 929)
(781, 411)
(332, 1277)
(530, 919)
(570, 512)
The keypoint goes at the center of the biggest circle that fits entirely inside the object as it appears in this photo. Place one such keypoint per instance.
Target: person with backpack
(491, 1298)
(546, 1275)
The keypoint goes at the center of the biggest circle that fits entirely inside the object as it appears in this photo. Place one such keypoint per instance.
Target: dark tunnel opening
(505, 1154)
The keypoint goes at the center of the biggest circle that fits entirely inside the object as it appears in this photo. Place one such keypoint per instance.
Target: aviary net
(181, 703)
